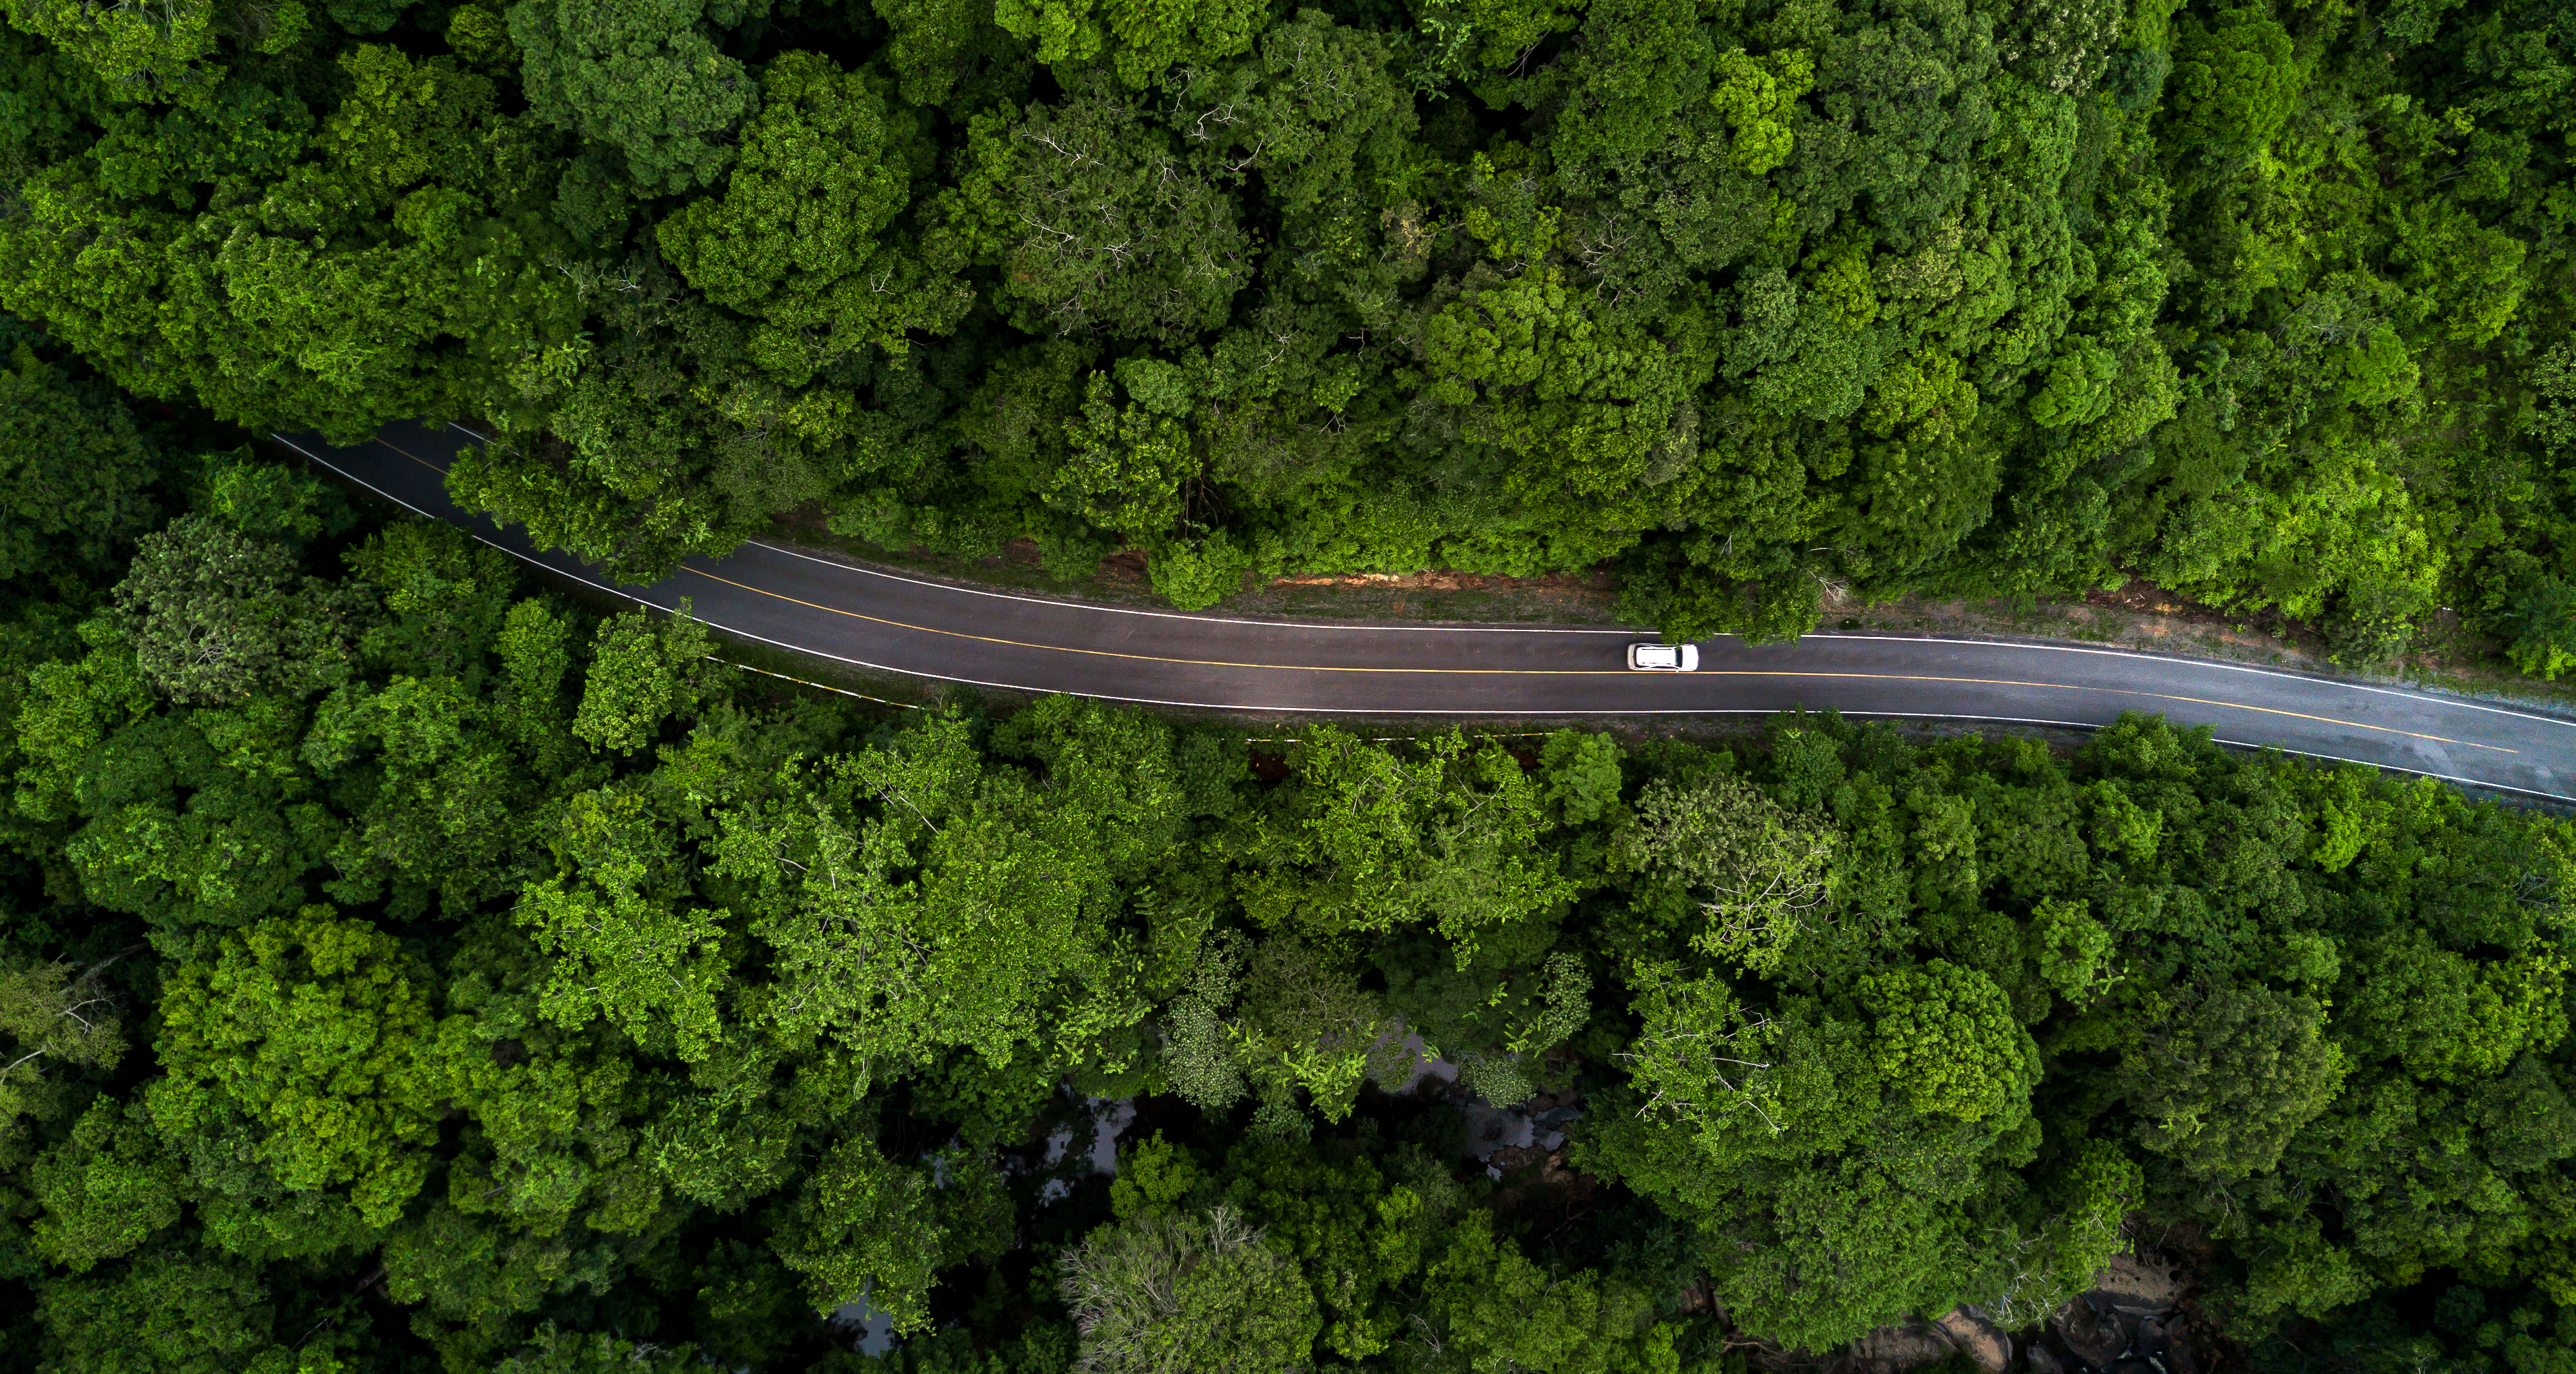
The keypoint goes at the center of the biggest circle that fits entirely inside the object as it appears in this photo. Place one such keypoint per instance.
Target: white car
(1664, 658)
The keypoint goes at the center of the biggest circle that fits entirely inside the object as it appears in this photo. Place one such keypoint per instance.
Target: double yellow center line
(1575, 672)
(1550, 672)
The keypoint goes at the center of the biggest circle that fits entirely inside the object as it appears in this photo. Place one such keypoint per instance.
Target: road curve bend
(873, 618)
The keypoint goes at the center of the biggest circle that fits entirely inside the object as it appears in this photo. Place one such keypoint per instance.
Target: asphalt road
(820, 605)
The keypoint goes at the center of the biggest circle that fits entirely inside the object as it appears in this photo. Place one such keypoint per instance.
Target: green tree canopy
(797, 238)
(647, 80)
(1197, 1292)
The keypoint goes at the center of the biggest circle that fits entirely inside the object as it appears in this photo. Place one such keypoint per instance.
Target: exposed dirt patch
(1122, 579)
(2138, 615)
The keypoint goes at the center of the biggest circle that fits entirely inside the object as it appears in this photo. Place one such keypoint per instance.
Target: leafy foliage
(492, 951)
(403, 969)
(1189, 1293)
(1769, 306)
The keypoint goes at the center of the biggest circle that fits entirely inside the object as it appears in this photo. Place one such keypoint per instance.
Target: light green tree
(1757, 95)
(2235, 82)
(914, 904)
(1201, 1292)
(1759, 873)
(1506, 1312)
(1702, 1057)
(642, 669)
(1439, 833)
(646, 79)
(865, 1226)
(308, 1042)
(2073, 949)
(799, 237)
(1946, 1037)
(2543, 619)
(1140, 37)
(56, 1018)
(630, 941)
(140, 52)
(1130, 469)
(405, 121)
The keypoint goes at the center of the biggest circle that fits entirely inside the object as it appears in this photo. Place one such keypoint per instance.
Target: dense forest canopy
(1773, 302)
(407, 970)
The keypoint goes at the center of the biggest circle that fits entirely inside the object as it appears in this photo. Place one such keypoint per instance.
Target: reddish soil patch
(1597, 582)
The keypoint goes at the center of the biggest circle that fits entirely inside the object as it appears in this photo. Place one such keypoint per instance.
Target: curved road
(883, 620)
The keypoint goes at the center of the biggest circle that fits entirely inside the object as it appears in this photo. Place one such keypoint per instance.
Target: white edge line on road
(1536, 714)
(2169, 659)
(2314, 679)
(863, 570)
(1370, 711)
(2172, 660)
(1408, 627)
(1416, 627)
(2396, 768)
(1552, 715)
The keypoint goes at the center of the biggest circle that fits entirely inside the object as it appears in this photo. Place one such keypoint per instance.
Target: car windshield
(1657, 655)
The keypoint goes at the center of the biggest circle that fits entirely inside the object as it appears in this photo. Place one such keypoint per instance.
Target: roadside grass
(785, 673)
(2141, 617)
